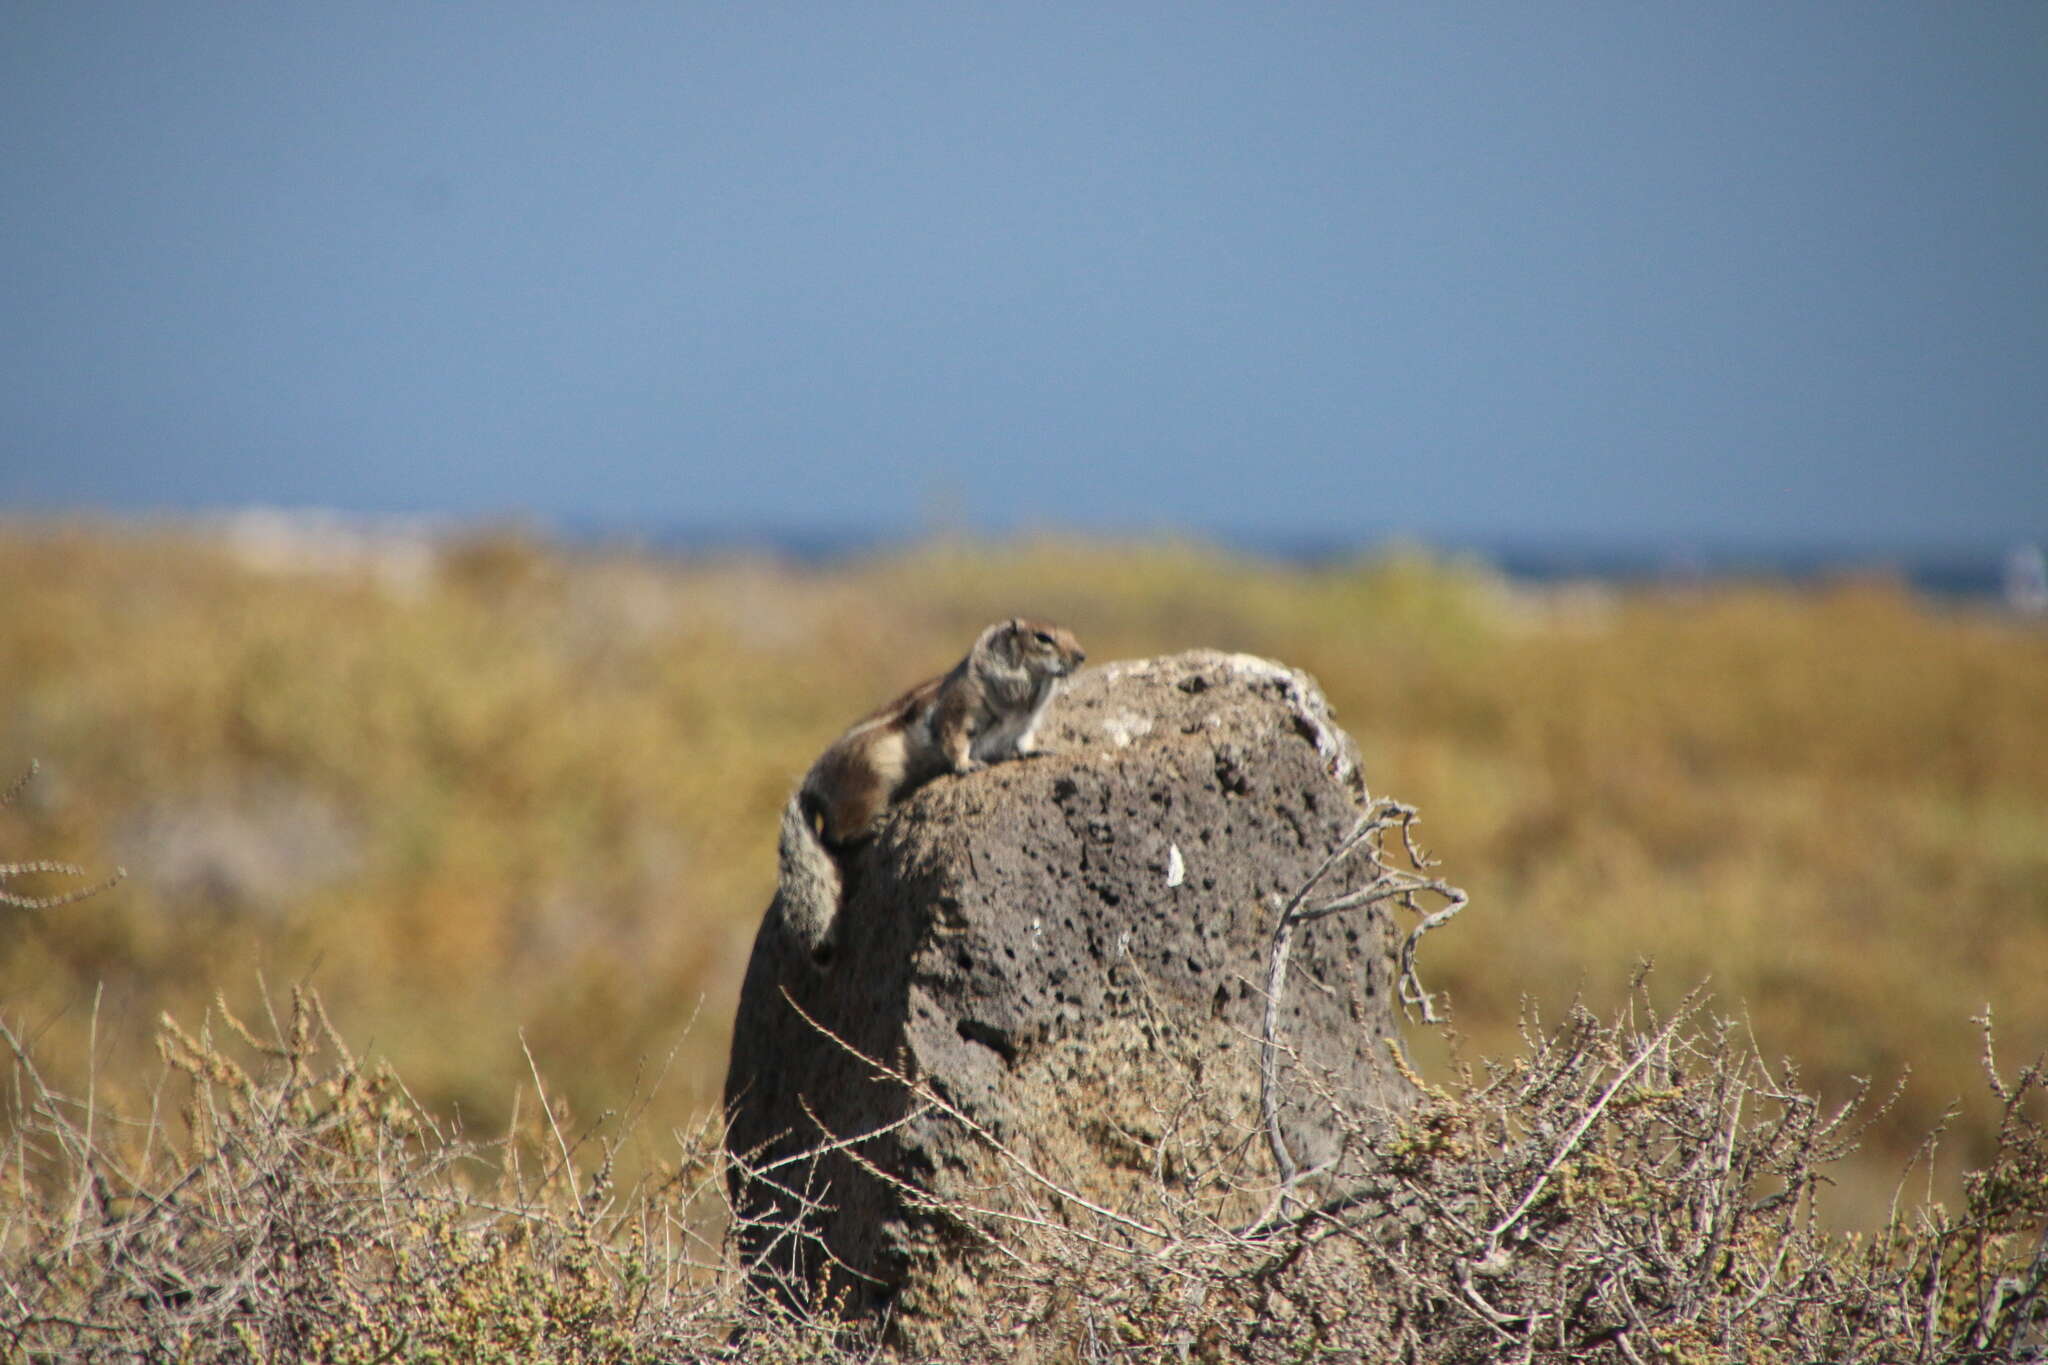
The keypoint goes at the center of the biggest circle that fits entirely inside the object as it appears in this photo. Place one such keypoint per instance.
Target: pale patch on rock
(1126, 726)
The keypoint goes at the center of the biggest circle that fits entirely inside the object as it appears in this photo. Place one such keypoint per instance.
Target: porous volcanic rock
(1072, 950)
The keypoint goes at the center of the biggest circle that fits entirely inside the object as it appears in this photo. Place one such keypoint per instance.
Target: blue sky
(1657, 273)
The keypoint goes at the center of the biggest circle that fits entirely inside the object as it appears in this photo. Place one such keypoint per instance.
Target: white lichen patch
(1126, 726)
(1305, 699)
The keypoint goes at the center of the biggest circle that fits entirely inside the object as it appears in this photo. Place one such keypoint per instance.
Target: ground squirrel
(984, 711)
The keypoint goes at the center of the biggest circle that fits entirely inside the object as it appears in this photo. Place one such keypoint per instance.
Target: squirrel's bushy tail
(808, 884)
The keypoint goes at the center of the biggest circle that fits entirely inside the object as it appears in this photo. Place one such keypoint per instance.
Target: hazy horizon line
(1946, 567)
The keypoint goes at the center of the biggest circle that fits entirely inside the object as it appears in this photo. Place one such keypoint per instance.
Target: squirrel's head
(1038, 647)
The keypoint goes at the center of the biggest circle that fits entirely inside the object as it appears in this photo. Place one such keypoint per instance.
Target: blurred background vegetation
(487, 792)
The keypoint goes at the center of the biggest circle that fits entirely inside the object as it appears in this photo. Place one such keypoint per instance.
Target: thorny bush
(1628, 1189)
(1632, 1189)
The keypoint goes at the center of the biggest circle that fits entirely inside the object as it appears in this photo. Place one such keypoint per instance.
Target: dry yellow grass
(533, 790)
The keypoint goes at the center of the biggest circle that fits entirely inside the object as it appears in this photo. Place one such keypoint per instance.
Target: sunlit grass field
(505, 799)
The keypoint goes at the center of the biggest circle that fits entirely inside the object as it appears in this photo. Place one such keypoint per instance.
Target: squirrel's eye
(1043, 637)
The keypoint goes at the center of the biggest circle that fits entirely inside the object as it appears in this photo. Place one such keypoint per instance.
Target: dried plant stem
(1386, 883)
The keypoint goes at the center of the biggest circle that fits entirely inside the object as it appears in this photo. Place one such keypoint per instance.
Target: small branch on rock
(1388, 883)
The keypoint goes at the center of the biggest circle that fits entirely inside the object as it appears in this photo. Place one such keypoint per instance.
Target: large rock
(1072, 950)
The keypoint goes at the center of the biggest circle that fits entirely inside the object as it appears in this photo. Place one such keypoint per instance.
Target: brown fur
(983, 711)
